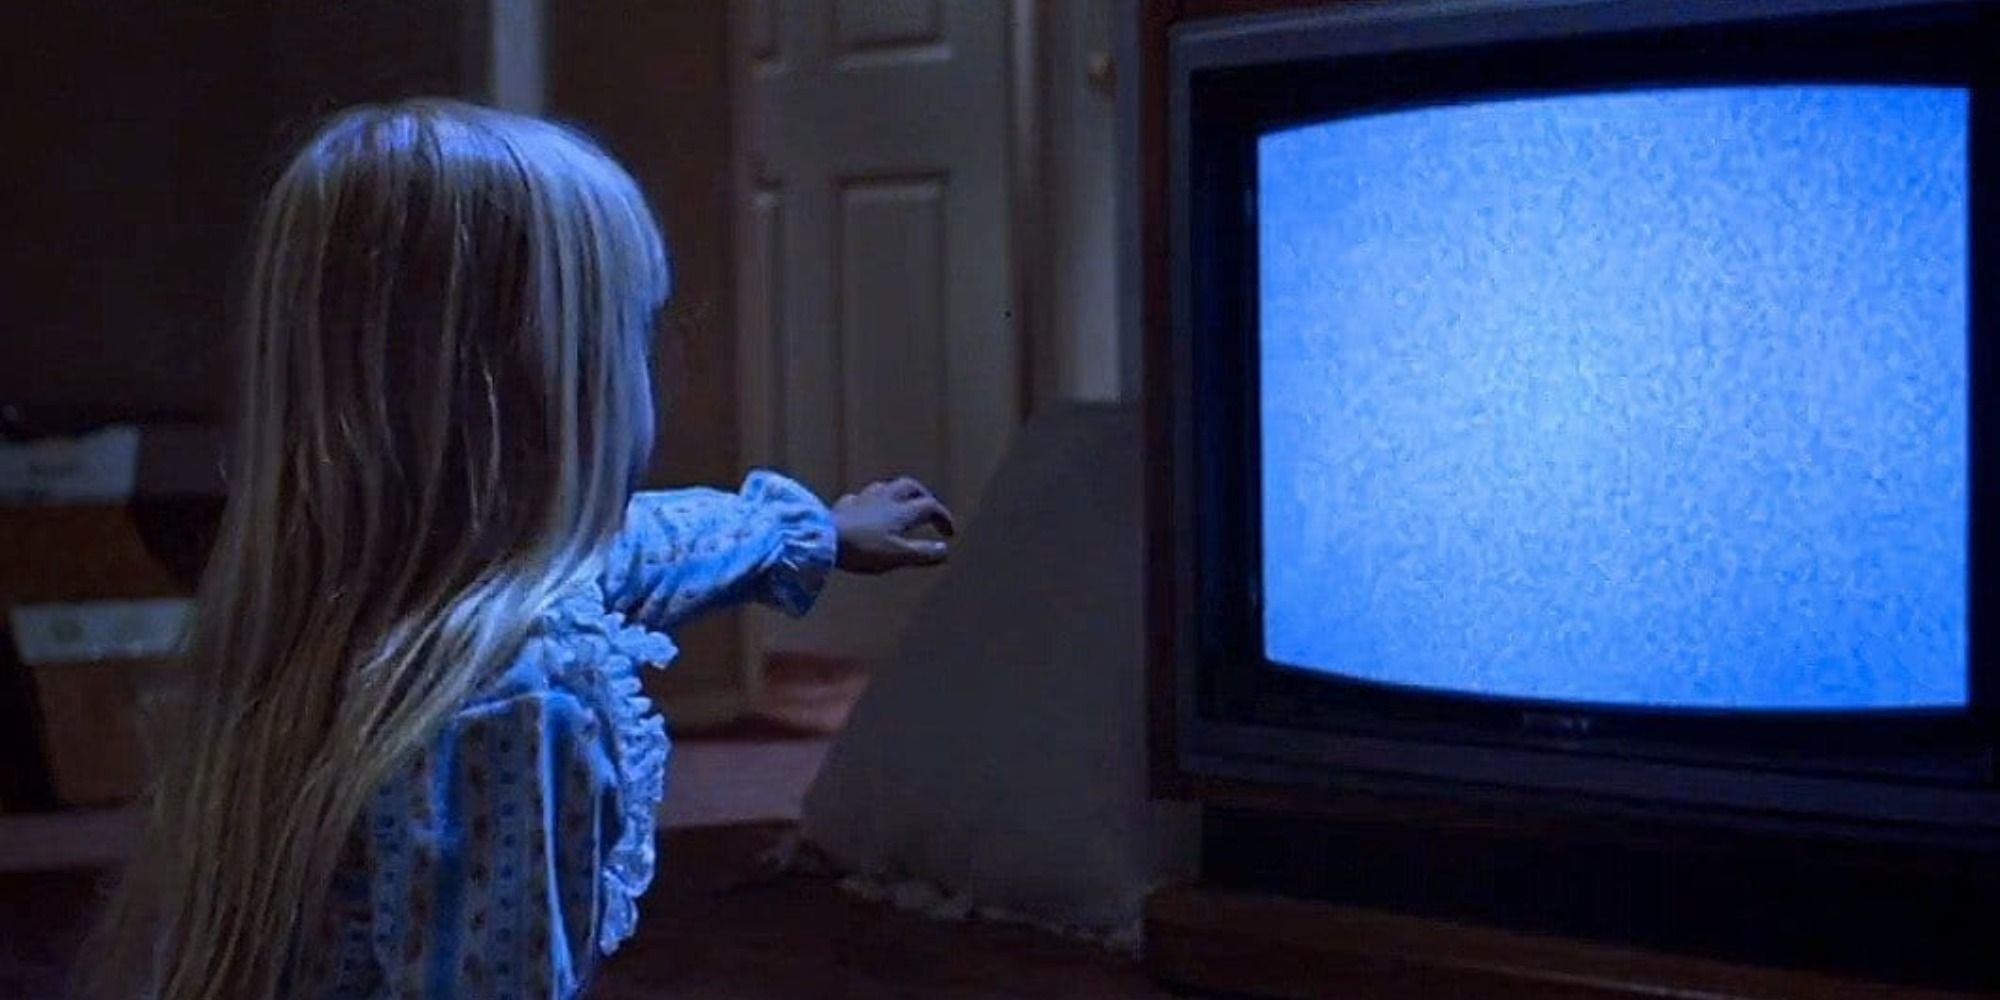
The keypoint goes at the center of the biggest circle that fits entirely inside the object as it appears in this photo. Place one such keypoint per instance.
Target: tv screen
(1652, 398)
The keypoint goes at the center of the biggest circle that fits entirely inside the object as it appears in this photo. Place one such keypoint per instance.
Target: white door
(876, 291)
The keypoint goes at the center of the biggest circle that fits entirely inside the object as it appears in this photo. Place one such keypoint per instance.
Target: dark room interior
(1102, 498)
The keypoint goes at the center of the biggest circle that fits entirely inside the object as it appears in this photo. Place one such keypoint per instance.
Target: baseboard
(1260, 946)
(693, 711)
(67, 840)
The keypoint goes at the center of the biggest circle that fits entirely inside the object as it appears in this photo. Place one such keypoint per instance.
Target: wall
(150, 131)
(326, 56)
(650, 81)
(137, 134)
(1079, 169)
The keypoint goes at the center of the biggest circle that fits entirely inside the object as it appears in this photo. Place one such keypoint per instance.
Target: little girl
(418, 762)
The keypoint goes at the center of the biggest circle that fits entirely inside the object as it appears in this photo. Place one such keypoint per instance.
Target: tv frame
(1551, 757)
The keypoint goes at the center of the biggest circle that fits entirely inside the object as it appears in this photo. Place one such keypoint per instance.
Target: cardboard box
(96, 522)
(98, 669)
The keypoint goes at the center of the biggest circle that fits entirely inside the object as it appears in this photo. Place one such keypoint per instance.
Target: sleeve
(686, 552)
(487, 854)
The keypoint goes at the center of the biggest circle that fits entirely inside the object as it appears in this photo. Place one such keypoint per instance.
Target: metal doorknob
(1101, 71)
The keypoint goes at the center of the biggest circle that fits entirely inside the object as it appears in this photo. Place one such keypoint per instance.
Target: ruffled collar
(598, 653)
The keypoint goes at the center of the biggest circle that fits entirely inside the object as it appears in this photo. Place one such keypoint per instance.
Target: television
(1586, 408)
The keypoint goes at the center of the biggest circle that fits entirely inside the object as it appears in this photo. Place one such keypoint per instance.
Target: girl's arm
(685, 552)
(484, 857)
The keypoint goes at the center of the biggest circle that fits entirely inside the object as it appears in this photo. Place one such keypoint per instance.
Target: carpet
(714, 928)
(716, 925)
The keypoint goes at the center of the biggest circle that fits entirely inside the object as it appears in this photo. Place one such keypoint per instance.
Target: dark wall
(139, 137)
(328, 54)
(650, 80)
(133, 133)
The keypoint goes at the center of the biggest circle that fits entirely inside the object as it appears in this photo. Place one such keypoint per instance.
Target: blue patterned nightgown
(508, 858)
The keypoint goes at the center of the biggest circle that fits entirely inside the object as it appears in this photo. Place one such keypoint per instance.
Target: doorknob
(1101, 71)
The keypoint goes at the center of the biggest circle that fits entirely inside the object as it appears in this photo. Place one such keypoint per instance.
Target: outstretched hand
(876, 527)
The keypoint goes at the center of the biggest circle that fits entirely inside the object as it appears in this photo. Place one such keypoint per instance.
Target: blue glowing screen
(1651, 398)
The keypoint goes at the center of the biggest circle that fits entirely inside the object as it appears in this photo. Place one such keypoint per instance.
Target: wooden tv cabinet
(1710, 906)
(1244, 944)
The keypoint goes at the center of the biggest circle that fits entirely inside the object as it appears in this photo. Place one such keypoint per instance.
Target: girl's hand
(875, 526)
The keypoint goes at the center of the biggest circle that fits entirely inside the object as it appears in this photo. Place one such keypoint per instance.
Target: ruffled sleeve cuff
(683, 553)
(805, 543)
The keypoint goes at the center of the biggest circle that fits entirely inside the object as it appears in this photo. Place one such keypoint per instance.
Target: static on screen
(1651, 398)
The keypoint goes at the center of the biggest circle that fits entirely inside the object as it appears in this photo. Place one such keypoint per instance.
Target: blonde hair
(444, 402)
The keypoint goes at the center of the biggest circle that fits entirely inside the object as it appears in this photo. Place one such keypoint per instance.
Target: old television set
(1584, 410)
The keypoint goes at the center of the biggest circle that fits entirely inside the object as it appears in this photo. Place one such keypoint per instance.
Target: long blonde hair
(444, 402)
